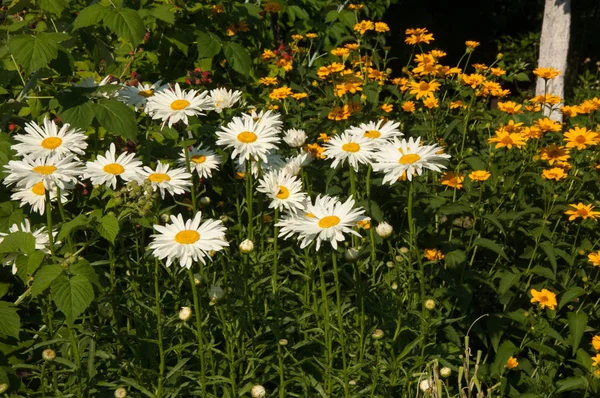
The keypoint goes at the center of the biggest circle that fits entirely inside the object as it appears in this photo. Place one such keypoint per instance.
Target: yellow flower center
(507, 140)
(51, 143)
(38, 189)
(114, 168)
(329, 221)
(179, 104)
(372, 134)
(198, 159)
(351, 147)
(283, 193)
(187, 237)
(424, 86)
(44, 169)
(409, 159)
(543, 299)
(247, 137)
(582, 212)
(150, 93)
(159, 177)
(580, 139)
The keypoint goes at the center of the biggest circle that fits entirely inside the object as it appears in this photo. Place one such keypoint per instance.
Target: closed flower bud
(120, 392)
(404, 250)
(425, 386)
(247, 246)
(258, 391)
(204, 201)
(445, 372)
(429, 304)
(164, 217)
(351, 255)
(394, 286)
(48, 354)
(185, 313)
(283, 342)
(197, 279)
(384, 230)
(3, 387)
(377, 334)
(215, 294)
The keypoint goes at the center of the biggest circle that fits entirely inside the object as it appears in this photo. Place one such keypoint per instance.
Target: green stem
(338, 298)
(159, 329)
(199, 333)
(275, 256)
(248, 178)
(75, 347)
(188, 169)
(49, 224)
(326, 327)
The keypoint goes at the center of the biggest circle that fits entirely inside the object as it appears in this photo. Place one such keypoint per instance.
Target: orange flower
(555, 173)
(335, 67)
(355, 6)
(596, 360)
(555, 153)
(340, 52)
(418, 35)
(596, 343)
(545, 298)
(323, 137)
(546, 73)
(352, 46)
(580, 138)
(381, 27)
(387, 108)
(594, 258)
(280, 93)
(431, 102)
(452, 179)
(583, 211)
(512, 363)
(497, 71)
(408, 106)
(457, 104)
(479, 175)
(434, 254)
(473, 80)
(315, 150)
(508, 140)
(423, 88)
(509, 107)
(363, 26)
(268, 81)
(299, 96)
(569, 111)
(339, 113)
(272, 7)
(547, 124)
(472, 44)
(267, 54)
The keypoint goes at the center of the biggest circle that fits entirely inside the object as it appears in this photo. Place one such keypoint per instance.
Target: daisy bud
(247, 246)
(390, 264)
(429, 304)
(3, 387)
(377, 334)
(48, 354)
(197, 279)
(164, 217)
(258, 391)
(445, 372)
(283, 342)
(352, 382)
(204, 201)
(215, 294)
(394, 286)
(351, 255)
(404, 250)
(120, 392)
(425, 386)
(185, 313)
(295, 138)
(384, 230)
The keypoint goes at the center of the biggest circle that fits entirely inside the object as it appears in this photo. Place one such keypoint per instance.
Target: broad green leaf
(90, 16)
(72, 296)
(109, 227)
(44, 277)
(53, 6)
(505, 351)
(209, 45)
(84, 268)
(548, 248)
(164, 13)
(493, 246)
(455, 258)
(125, 23)
(507, 281)
(543, 271)
(572, 383)
(492, 219)
(79, 221)
(454, 208)
(34, 260)
(18, 242)
(570, 295)
(238, 57)
(35, 52)
(117, 118)
(577, 323)
(10, 322)
(80, 115)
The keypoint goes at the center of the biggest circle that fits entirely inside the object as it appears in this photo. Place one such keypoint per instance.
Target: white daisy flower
(175, 181)
(268, 118)
(293, 165)
(399, 157)
(138, 95)
(274, 162)
(47, 141)
(41, 241)
(284, 190)
(90, 82)
(175, 104)
(250, 138)
(295, 138)
(328, 219)
(105, 169)
(28, 172)
(188, 241)
(222, 98)
(204, 161)
(380, 130)
(354, 148)
(35, 196)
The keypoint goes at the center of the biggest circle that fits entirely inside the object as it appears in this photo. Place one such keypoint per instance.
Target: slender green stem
(188, 169)
(75, 346)
(161, 351)
(326, 327)
(199, 333)
(353, 193)
(49, 224)
(275, 256)
(340, 317)
(248, 177)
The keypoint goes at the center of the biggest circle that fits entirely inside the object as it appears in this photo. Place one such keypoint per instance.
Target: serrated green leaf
(548, 248)
(109, 227)
(90, 16)
(44, 278)
(125, 23)
(18, 242)
(571, 383)
(84, 268)
(238, 57)
(34, 260)
(577, 323)
(455, 257)
(491, 245)
(80, 115)
(454, 208)
(117, 118)
(164, 13)
(79, 221)
(10, 322)
(209, 45)
(72, 296)
(570, 295)
(53, 6)
(507, 280)
(35, 52)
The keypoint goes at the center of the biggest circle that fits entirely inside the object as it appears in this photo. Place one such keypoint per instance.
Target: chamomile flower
(249, 138)
(399, 157)
(48, 140)
(27, 172)
(284, 190)
(138, 95)
(105, 169)
(175, 181)
(41, 241)
(295, 138)
(346, 146)
(221, 98)
(328, 219)
(35, 196)
(188, 241)
(268, 118)
(379, 131)
(204, 161)
(175, 104)
(293, 165)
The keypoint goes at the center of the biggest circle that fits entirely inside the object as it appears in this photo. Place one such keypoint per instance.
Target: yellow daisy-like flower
(424, 88)
(418, 35)
(545, 298)
(510, 107)
(339, 113)
(311, 35)
(297, 37)
(480, 175)
(408, 106)
(569, 111)
(555, 173)
(583, 211)
(363, 26)
(335, 67)
(315, 150)
(596, 360)
(508, 140)
(355, 7)
(594, 258)
(352, 46)
(268, 81)
(473, 80)
(452, 179)
(555, 153)
(434, 254)
(387, 108)
(512, 363)
(546, 73)
(581, 138)
(472, 44)
(280, 93)
(381, 27)
(299, 96)
(431, 102)
(272, 7)
(497, 71)
(267, 54)
(340, 52)
(547, 124)
(457, 104)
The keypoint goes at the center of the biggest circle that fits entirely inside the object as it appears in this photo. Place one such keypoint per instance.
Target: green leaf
(126, 23)
(53, 6)
(455, 258)
(35, 52)
(90, 16)
(493, 246)
(507, 281)
(492, 219)
(84, 268)
(505, 351)
(570, 295)
(543, 271)
(44, 278)
(18, 242)
(117, 118)
(209, 45)
(572, 383)
(548, 248)
(10, 322)
(34, 260)
(164, 13)
(454, 208)
(238, 57)
(109, 227)
(79, 221)
(577, 323)
(72, 296)
(80, 115)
